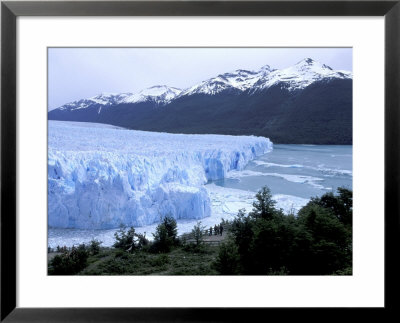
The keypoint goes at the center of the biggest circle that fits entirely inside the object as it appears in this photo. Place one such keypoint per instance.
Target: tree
(274, 244)
(346, 199)
(329, 241)
(264, 207)
(141, 242)
(94, 247)
(171, 227)
(341, 205)
(318, 241)
(165, 236)
(162, 242)
(198, 233)
(242, 234)
(125, 240)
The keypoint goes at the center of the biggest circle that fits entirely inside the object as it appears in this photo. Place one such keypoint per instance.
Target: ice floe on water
(304, 179)
(226, 202)
(320, 168)
(264, 163)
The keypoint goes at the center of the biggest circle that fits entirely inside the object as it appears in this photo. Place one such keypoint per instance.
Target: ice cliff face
(101, 176)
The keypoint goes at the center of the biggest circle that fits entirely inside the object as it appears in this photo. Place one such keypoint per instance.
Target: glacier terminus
(101, 176)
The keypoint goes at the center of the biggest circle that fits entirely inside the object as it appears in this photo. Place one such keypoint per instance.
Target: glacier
(225, 204)
(100, 176)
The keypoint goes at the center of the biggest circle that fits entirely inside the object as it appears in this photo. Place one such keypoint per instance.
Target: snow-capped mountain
(239, 80)
(104, 99)
(299, 76)
(308, 102)
(159, 94)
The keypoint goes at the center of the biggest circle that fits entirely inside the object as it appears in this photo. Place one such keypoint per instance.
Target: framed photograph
(198, 161)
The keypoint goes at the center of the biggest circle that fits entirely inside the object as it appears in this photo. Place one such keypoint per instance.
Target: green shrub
(160, 260)
(227, 262)
(70, 262)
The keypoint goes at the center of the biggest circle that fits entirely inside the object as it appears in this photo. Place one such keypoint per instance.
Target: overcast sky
(77, 73)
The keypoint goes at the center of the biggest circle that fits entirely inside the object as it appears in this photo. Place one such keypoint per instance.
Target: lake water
(294, 173)
(299, 170)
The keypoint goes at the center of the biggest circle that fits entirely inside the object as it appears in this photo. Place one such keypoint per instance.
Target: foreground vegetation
(316, 241)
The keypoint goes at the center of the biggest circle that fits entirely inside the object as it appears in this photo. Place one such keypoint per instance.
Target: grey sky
(77, 73)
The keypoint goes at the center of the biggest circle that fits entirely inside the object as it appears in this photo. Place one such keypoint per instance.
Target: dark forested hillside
(318, 114)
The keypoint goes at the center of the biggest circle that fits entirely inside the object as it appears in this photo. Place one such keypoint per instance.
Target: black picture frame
(10, 10)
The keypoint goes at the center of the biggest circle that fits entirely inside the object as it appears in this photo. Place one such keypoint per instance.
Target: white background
(364, 288)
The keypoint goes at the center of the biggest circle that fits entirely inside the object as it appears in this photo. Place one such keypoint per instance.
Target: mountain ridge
(267, 102)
